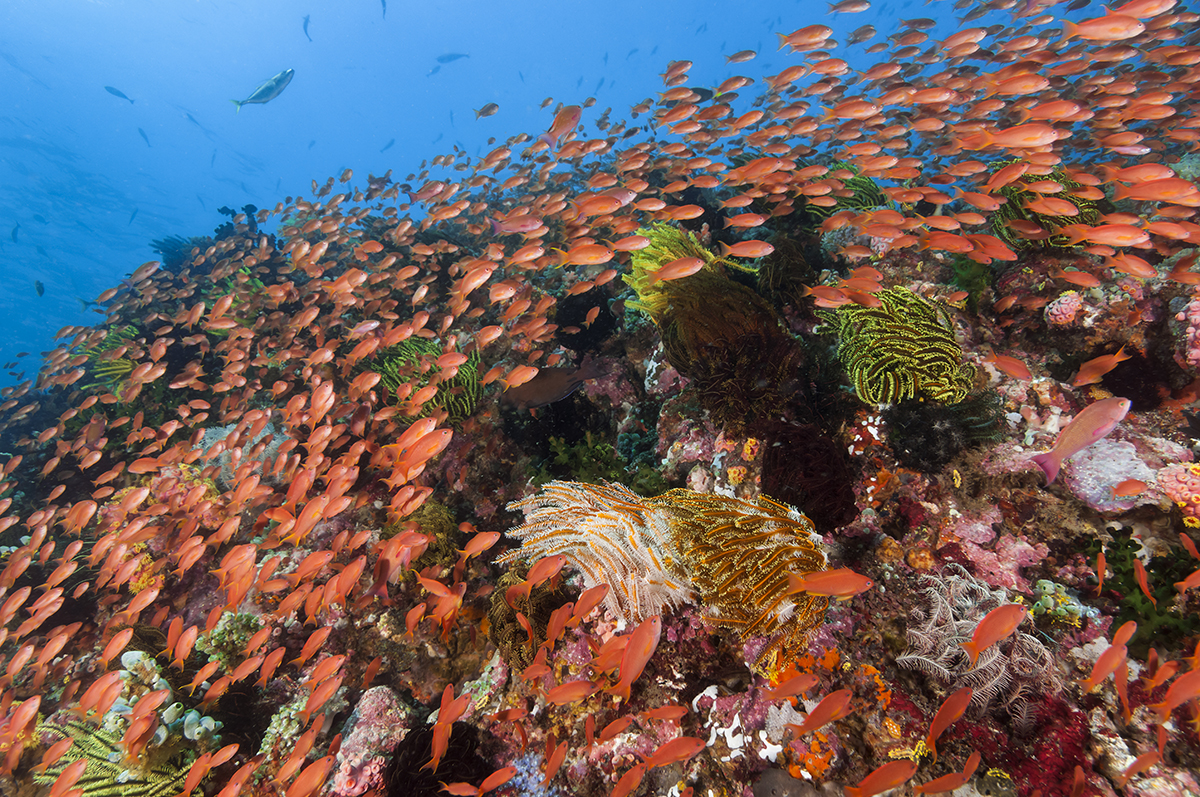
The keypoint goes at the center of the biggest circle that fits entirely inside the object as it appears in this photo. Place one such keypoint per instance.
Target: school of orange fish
(475, 260)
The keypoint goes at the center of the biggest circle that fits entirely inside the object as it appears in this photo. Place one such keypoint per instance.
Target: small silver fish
(269, 90)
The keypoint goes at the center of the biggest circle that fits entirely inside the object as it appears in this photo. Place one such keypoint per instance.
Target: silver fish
(269, 90)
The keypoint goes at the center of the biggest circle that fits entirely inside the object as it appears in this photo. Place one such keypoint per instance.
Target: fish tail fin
(783, 40)
(972, 652)
(795, 584)
(1075, 233)
(1069, 29)
(1049, 466)
(1108, 173)
(621, 690)
(238, 103)
(974, 140)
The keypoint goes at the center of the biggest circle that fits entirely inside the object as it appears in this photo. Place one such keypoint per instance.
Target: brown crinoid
(739, 554)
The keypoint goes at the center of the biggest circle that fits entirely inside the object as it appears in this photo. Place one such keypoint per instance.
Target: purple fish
(1093, 423)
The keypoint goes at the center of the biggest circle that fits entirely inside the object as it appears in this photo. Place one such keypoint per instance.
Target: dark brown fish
(862, 34)
(550, 385)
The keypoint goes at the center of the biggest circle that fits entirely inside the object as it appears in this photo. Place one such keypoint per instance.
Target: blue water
(89, 193)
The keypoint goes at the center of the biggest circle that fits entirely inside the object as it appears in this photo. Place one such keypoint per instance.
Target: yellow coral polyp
(144, 576)
(1192, 522)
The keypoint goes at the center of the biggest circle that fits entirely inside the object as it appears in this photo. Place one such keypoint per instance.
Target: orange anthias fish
(955, 780)
(951, 709)
(834, 706)
(1183, 689)
(842, 583)
(1092, 370)
(564, 122)
(1009, 365)
(1139, 575)
(883, 778)
(677, 269)
(1112, 658)
(996, 625)
(641, 647)
(796, 685)
(679, 749)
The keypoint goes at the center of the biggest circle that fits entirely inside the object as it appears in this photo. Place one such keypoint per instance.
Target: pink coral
(1002, 567)
(978, 529)
(1191, 314)
(355, 776)
(1063, 311)
(1181, 483)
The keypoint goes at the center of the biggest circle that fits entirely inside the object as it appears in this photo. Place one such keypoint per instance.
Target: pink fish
(1093, 423)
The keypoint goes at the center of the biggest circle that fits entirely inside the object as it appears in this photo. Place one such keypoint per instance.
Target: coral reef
(321, 505)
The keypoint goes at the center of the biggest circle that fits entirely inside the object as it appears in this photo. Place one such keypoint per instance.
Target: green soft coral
(593, 460)
(1162, 626)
